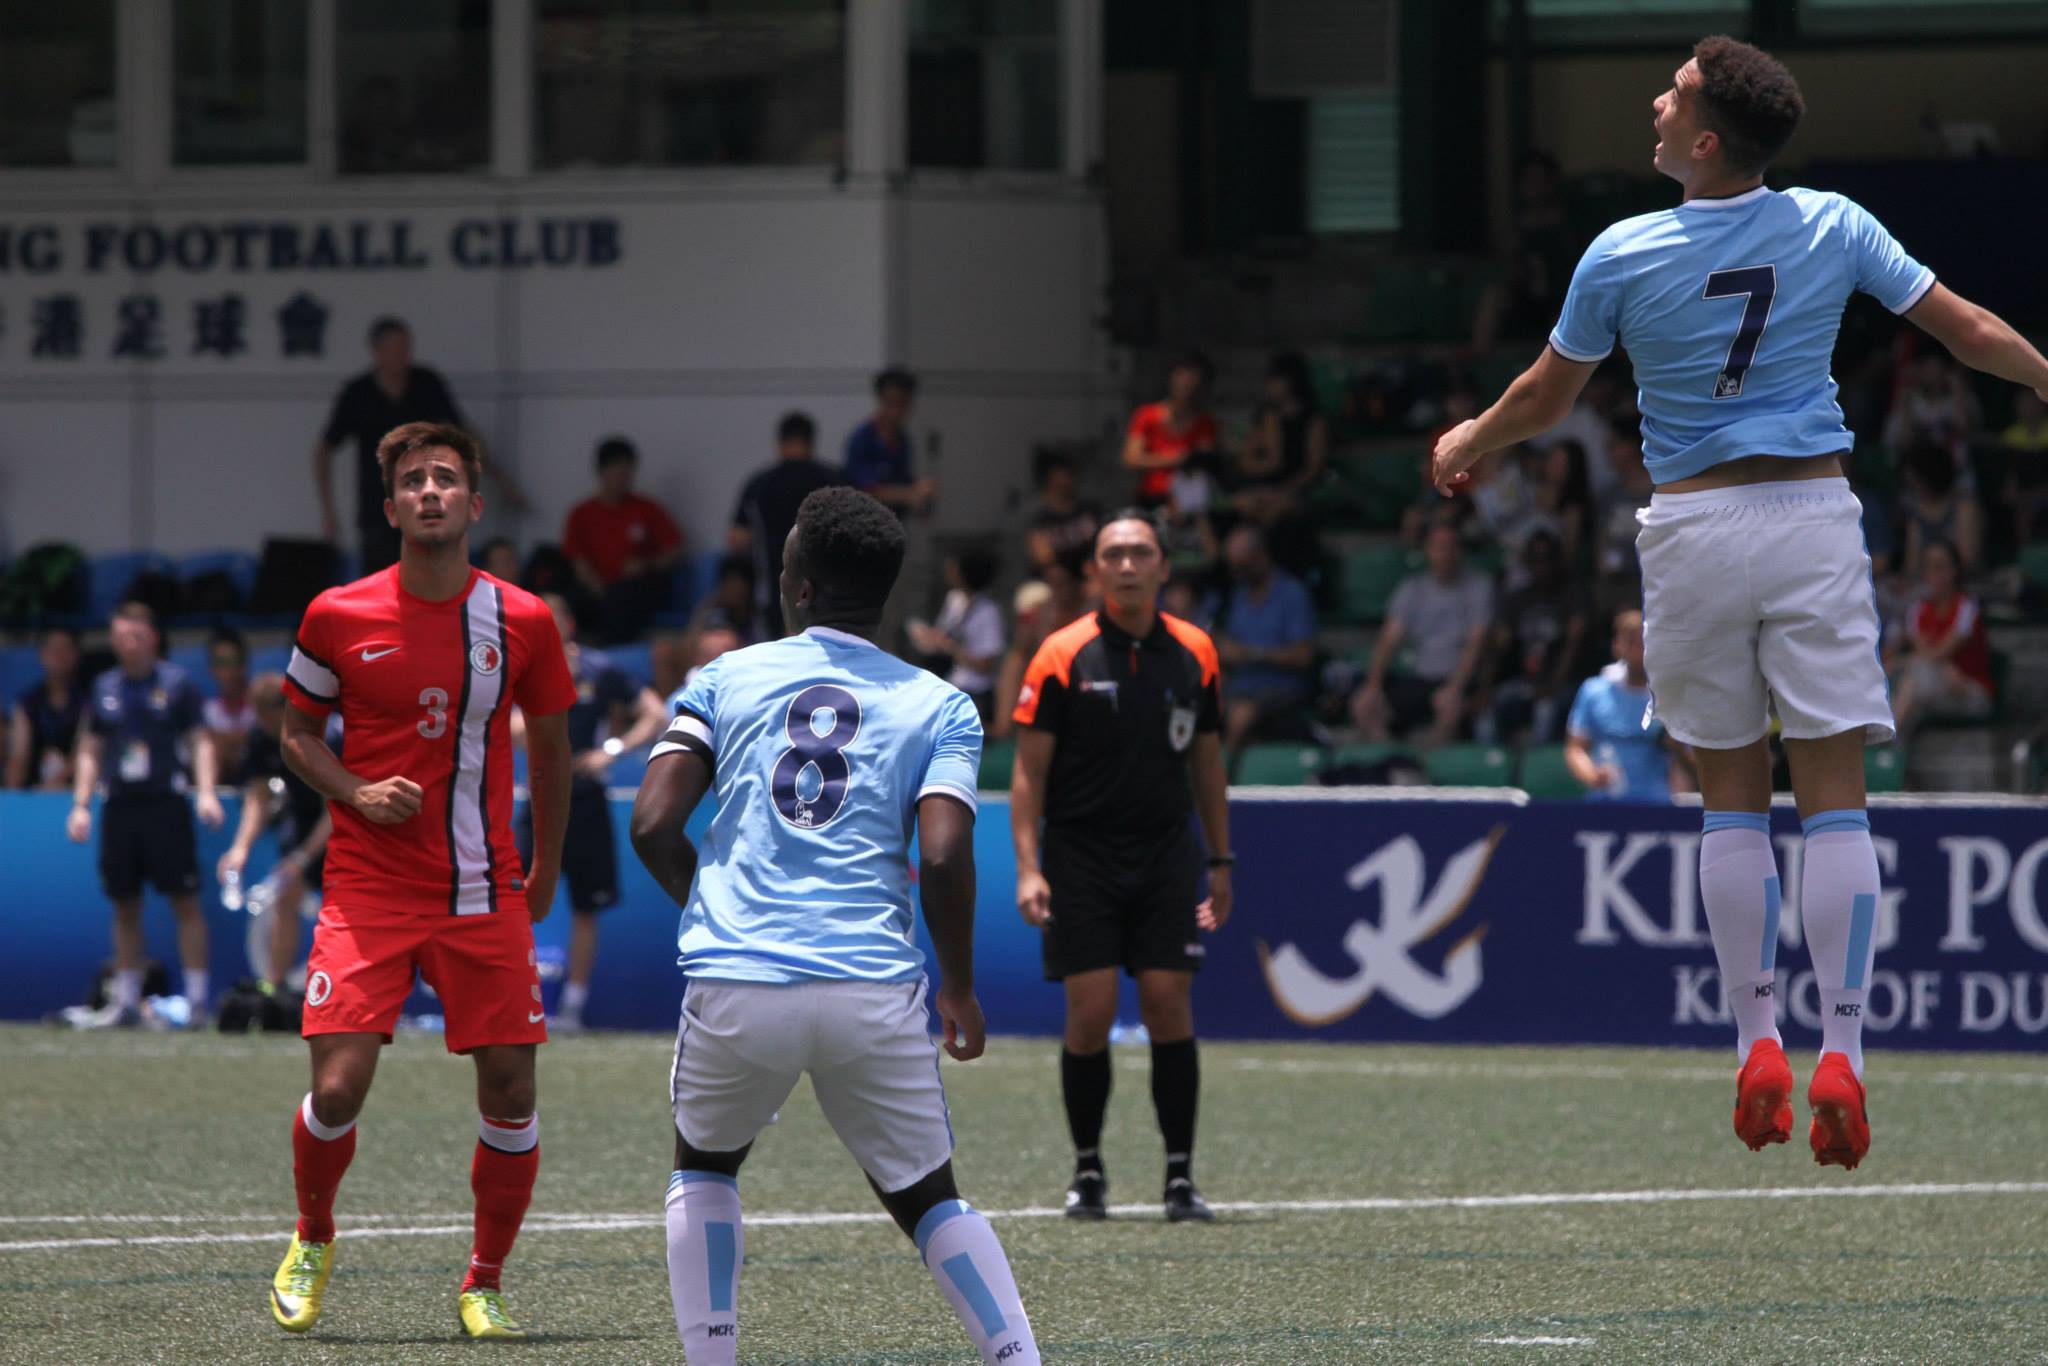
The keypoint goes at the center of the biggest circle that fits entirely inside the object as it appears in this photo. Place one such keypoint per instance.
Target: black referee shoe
(1184, 1202)
(1088, 1197)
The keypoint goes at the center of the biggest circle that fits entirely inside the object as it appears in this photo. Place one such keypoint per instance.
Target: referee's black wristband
(1222, 860)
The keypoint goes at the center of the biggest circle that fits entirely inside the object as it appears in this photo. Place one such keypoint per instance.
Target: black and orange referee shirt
(1125, 710)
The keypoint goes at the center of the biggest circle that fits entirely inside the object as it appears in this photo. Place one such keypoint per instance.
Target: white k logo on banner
(1311, 997)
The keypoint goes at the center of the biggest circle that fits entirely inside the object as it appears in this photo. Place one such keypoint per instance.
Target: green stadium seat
(1470, 766)
(1279, 765)
(1544, 774)
(2034, 564)
(1884, 769)
(1367, 581)
(998, 757)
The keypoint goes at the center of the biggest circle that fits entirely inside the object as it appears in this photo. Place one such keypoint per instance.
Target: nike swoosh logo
(369, 655)
(535, 1018)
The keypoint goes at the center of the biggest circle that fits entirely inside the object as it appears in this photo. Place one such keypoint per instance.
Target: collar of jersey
(1734, 201)
(843, 637)
(1111, 631)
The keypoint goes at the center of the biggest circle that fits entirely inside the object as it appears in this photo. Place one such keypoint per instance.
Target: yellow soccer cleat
(300, 1282)
(483, 1315)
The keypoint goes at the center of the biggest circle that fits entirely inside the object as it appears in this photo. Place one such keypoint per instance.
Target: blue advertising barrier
(1360, 916)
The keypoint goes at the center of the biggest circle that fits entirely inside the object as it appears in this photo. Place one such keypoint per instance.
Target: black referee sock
(1084, 1084)
(1176, 1080)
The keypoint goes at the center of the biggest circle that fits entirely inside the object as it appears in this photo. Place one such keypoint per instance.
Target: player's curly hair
(1749, 99)
(400, 442)
(850, 548)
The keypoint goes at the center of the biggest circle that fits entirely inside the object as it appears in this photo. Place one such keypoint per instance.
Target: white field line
(1535, 1342)
(570, 1223)
(1546, 1071)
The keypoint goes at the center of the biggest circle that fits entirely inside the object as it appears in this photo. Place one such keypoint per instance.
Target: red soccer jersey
(425, 691)
(1153, 425)
(609, 534)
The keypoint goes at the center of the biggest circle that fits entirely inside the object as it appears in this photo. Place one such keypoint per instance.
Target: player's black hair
(385, 326)
(851, 549)
(796, 427)
(1749, 99)
(615, 450)
(1138, 514)
(896, 377)
(978, 567)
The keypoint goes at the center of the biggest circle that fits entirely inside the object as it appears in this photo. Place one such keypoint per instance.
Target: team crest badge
(318, 988)
(1180, 728)
(485, 657)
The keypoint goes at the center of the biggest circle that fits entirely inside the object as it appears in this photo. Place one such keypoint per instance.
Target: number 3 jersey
(1728, 309)
(821, 745)
(425, 691)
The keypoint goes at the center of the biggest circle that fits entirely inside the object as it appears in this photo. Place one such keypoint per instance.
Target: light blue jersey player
(827, 756)
(1756, 585)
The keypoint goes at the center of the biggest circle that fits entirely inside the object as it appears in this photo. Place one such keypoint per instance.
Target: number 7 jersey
(1728, 309)
(821, 745)
(425, 691)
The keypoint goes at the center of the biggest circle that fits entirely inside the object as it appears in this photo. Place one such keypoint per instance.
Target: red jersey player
(425, 661)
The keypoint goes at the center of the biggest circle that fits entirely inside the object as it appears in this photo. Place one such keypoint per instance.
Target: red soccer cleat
(1763, 1096)
(1841, 1127)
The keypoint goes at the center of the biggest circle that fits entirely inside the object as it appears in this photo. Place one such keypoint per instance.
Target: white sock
(574, 994)
(1838, 902)
(196, 982)
(128, 987)
(705, 1247)
(965, 1257)
(1739, 888)
(314, 1127)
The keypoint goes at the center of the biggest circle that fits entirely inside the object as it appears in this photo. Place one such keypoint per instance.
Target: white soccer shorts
(868, 1046)
(1759, 596)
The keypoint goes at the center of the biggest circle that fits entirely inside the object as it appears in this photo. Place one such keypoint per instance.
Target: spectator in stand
(42, 729)
(1504, 501)
(500, 559)
(1534, 648)
(967, 638)
(1610, 747)
(730, 605)
(767, 511)
(1537, 264)
(231, 711)
(392, 392)
(1565, 495)
(1443, 613)
(1590, 423)
(1935, 406)
(1461, 405)
(623, 547)
(1183, 597)
(1032, 610)
(1942, 666)
(1618, 575)
(1267, 644)
(272, 791)
(1164, 436)
(1063, 523)
(2026, 443)
(878, 452)
(1286, 453)
(1936, 507)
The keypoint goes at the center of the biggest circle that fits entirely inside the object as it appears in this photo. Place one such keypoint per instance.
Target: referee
(1117, 744)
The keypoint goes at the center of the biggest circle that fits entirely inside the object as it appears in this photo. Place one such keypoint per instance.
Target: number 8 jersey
(425, 691)
(820, 745)
(1728, 309)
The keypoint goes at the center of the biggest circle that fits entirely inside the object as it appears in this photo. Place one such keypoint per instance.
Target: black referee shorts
(590, 858)
(148, 839)
(1119, 904)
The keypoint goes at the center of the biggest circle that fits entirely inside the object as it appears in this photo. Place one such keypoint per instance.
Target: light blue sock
(1838, 892)
(966, 1259)
(705, 1248)
(1739, 888)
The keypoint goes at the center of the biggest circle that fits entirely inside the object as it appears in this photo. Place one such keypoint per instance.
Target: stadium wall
(1393, 914)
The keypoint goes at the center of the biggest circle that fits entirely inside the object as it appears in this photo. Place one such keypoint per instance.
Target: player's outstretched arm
(674, 784)
(1980, 338)
(1540, 398)
(547, 785)
(304, 745)
(945, 856)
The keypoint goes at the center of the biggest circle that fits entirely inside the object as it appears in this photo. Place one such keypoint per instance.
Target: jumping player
(828, 754)
(424, 661)
(1756, 583)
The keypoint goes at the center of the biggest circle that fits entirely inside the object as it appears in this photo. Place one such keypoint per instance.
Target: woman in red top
(1164, 435)
(1944, 663)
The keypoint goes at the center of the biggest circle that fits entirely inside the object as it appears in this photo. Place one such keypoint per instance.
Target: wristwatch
(614, 747)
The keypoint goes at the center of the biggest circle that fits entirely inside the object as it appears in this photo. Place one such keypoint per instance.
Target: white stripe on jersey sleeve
(949, 790)
(1917, 292)
(314, 678)
(686, 732)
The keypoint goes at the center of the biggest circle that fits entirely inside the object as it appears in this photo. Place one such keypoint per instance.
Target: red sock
(503, 1183)
(317, 1167)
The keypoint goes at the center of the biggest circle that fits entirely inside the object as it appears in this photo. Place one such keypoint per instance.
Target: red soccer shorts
(481, 967)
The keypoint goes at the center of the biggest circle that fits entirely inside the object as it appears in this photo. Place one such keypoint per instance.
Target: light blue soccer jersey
(821, 746)
(1728, 309)
(1610, 716)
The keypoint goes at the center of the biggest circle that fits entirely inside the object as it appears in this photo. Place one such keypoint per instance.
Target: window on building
(413, 85)
(1602, 23)
(1874, 18)
(239, 82)
(690, 82)
(1354, 182)
(984, 84)
(57, 102)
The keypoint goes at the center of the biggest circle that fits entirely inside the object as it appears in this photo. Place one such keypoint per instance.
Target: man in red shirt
(623, 547)
(425, 661)
(1163, 436)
